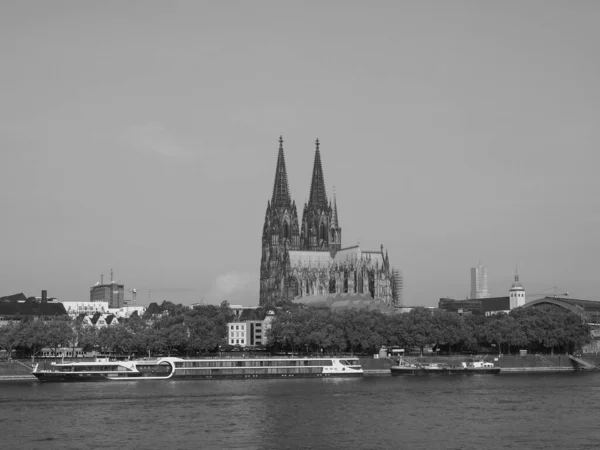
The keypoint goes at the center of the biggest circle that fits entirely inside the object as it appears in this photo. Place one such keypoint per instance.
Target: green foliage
(179, 330)
(313, 330)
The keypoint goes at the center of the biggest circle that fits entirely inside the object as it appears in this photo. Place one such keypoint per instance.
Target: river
(437, 412)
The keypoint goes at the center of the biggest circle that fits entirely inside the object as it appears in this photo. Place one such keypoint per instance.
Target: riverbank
(508, 363)
(15, 371)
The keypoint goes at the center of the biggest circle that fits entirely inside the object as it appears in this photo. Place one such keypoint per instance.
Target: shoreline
(17, 378)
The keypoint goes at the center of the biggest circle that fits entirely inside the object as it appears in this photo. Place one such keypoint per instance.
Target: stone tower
(280, 233)
(320, 223)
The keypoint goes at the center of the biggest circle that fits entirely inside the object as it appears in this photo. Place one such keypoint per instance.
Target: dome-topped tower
(517, 293)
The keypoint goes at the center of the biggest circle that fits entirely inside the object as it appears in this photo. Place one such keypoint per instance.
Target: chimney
(44, 296)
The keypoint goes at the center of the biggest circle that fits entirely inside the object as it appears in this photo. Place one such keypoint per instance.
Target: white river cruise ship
(102, 369)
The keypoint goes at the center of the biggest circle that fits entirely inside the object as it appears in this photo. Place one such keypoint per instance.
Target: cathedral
(305, 257)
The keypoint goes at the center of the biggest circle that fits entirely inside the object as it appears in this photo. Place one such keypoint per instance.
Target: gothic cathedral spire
(281, 191)
(281, 233)
(335, 232)
(318, 196)
(318, 230)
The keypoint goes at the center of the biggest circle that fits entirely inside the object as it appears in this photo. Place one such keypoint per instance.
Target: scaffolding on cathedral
(397, 288)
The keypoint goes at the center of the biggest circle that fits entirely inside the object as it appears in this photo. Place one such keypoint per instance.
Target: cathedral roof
(318, 195)
(305, 258)
(281, 191)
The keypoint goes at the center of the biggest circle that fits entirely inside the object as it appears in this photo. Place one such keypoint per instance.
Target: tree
(418, 323)
(11, 336)
(35, 335)
(59, 334)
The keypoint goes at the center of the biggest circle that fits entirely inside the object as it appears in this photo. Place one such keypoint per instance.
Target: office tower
(479, 284)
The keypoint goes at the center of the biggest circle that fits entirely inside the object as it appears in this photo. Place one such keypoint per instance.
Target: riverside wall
(15, 370)
(508, 363)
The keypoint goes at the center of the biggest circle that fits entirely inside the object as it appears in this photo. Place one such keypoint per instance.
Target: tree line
(183, 331)
(176, 329)
(542, 329)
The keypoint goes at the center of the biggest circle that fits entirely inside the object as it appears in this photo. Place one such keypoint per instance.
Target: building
(461, 307)
(487, 305)
(100, 320)
(18, 306)
(74, 309)
(113, 293)
(589, 310)
(304, 258)
(127, 311)
(479, 282)
(250, 333)
(238, 310)
(517, 294)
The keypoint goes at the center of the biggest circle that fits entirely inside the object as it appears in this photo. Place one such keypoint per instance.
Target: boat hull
(396, 370)
(50, 377)
(55, 377)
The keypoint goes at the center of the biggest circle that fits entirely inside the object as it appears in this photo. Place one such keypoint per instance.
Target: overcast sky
(142, 136)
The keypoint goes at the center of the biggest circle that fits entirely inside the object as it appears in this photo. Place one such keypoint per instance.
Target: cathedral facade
(305, 257)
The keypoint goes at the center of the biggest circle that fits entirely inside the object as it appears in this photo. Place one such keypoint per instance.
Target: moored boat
(414, 367)
(209, 368)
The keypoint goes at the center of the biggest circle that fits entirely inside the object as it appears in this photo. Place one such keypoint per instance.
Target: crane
(162, 291)
(545, 293)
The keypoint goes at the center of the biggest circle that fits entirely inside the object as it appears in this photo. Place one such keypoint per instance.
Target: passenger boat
(466, 368)
(209, 368)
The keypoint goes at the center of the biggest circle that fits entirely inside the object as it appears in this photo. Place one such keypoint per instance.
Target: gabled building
(100, 320)
(18, 306)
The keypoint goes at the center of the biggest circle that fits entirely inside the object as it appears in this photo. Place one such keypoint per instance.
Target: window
(237, 327)
(242, 341)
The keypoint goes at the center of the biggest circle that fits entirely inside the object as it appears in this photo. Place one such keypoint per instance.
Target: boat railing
(250, 356)
(240, 356)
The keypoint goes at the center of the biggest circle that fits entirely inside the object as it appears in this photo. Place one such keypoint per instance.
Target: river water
(550, 411)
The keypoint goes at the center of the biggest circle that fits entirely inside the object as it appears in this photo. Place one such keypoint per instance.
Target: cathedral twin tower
(305, 258)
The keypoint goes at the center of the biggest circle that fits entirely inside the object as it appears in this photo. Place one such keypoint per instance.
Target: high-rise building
(113, 293)
(306, 258)
(479, 282)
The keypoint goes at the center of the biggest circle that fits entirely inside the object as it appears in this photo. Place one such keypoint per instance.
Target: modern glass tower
(479, 282)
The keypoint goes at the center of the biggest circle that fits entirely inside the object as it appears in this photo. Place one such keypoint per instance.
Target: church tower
(280, 234)
(517, 293)
(320, 227)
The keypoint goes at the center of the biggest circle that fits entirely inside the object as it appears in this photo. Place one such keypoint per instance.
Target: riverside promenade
(16, 371)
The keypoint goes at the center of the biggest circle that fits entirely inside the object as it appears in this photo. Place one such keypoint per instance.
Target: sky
(142, 136)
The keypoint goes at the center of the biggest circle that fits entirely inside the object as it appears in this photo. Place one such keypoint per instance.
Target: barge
(466, 368)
